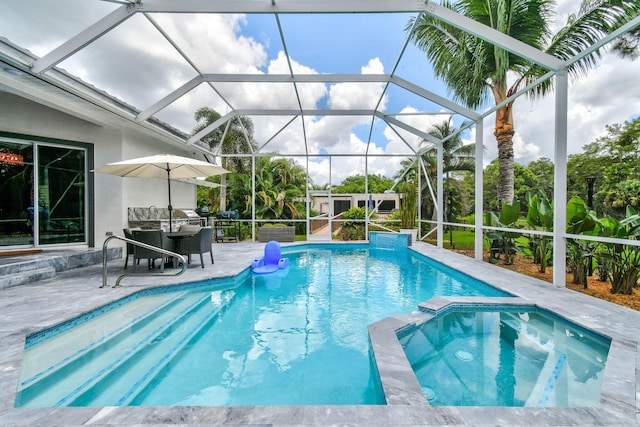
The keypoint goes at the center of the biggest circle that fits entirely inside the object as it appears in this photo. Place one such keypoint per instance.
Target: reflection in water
(505, 377)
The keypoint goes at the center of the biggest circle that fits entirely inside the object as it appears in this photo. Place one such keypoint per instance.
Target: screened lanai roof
(315, 77)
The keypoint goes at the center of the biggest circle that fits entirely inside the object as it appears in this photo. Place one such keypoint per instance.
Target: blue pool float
(271, 260)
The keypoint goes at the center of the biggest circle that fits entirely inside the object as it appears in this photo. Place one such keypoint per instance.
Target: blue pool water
(506, 357)
(296, 337)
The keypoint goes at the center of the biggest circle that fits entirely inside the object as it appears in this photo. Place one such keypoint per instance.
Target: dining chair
(128, 233)
(199, 243)
(189, 228)
(152, 238)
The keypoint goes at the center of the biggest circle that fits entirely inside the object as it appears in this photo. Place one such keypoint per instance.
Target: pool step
(129, 379)
(28, 276)
(547, 379)
(86, 367)
(23, 268)
(59, 351)
(552, 367)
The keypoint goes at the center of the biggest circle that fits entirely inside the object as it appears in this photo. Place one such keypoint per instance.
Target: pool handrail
(181, 258)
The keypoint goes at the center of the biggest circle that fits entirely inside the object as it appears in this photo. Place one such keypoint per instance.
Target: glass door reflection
(16, 194)
(61, 195)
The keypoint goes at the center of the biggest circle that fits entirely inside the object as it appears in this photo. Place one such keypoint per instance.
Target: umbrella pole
(169, 207)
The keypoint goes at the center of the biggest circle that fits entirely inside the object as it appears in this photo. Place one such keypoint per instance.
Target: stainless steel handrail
(143, 245)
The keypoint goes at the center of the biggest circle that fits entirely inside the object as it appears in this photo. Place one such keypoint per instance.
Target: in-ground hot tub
(505, 355)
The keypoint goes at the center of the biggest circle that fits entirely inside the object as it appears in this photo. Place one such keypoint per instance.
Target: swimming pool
(506, 356)
(297, 337)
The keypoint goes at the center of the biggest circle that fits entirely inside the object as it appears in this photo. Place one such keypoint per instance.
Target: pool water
(295, 337)
(511, 357)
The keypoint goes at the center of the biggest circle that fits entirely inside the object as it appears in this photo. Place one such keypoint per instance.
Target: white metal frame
(43, 70)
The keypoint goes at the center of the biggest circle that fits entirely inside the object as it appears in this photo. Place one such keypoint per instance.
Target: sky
(135, 63)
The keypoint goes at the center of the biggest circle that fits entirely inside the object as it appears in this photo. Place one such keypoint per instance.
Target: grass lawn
(462, 240)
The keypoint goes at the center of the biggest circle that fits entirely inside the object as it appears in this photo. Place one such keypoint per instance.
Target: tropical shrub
(624, 260)
(502, 240)
(353, 227)
(540, 217)
(393, 220)
(408, 204)
(580, 220)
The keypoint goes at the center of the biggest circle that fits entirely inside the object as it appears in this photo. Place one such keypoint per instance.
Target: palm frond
(628, 45)
(456, 57)
(595, 20)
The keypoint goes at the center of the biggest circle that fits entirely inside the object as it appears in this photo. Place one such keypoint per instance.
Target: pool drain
(465, 356)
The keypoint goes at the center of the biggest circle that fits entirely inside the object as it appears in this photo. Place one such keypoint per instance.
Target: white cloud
(523, 150)
(355, 96)
(52, 25)
(334, 133)
(319, 170)
(215, 42)
(412, 117)
(342, 167)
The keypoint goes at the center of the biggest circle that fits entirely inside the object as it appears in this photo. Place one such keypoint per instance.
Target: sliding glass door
(42, 194)
(61, 194)
(16, 193)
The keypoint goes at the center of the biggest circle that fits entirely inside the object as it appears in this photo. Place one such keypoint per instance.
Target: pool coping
(406, 405)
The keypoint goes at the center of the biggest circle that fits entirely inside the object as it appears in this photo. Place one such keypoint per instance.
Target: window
(340, 206)
(387, 206)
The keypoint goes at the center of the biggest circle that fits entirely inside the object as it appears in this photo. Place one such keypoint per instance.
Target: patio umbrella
(163, 166)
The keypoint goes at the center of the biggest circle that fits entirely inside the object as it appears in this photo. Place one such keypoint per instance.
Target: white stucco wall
(139, 192)
(113, 195)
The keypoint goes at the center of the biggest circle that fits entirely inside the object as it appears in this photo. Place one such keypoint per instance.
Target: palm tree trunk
(504, 136)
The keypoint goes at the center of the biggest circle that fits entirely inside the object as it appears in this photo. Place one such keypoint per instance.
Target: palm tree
(476, 70)
(456, 157)
(279, 189)
(286, 189)
(238, 139)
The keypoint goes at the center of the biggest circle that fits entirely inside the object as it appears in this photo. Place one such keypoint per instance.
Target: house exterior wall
(112, 195)
(320, 203)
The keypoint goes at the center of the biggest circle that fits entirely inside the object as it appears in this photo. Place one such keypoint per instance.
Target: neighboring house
(382, 203)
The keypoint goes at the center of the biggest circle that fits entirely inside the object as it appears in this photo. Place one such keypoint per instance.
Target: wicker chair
(154, 238)
(128, 233)
(199, 243)
(189, 228)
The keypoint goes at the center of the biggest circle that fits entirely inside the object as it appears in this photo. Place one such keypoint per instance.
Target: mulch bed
(595, 287)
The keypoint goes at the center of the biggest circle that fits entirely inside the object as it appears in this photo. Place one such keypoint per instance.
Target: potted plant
(408, 208)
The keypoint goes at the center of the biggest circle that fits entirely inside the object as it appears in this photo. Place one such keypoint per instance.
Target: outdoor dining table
(176, 236)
